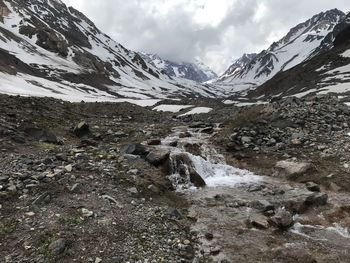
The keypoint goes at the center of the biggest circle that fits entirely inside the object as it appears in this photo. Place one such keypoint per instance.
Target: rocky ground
(69, 195)
(88, 182)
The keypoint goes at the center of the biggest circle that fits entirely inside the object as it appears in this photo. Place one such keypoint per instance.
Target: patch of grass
(6, 229)
(74, 220)
(47, 146)
(246, 117)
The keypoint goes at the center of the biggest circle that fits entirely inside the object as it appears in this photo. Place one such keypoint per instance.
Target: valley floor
(76, 185)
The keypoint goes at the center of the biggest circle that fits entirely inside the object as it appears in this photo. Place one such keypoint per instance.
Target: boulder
(154, 142)
(283, 219)
(158, 157)
(246, 140)
(293, 170)
(57, 247)
(195, 178)
(263, 205)
(316, 199)
(259, 221)
(135, 149)
(183, 165)
(81, 129)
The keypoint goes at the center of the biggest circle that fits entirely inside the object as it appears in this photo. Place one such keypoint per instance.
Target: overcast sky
(215, 31)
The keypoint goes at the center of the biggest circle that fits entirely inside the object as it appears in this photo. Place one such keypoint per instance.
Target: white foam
(342, 231)
(217, 174)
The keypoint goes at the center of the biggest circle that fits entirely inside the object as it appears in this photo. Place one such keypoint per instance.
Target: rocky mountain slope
(196, 71)
(48, 49)
(238, 65)
(303, 42)
(326, 73)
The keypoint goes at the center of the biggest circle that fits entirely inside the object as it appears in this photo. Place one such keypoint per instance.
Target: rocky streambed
(239, 216)
(104, 182)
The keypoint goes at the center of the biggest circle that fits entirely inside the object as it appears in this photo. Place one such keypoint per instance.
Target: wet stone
(316, 199)
(313, 187)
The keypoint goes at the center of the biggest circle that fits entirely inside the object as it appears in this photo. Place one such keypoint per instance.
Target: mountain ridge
(301, 43)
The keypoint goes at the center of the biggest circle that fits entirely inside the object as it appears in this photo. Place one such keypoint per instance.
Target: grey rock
(158, 156)
(133, 190)
(81, 129)
(120, 134)
(173, 213)
(135, 149)
(4, 178)
(283, 219)
(317, 199)
(246, 140)
(263, 205)
(292, 170)
(57, 247)
(44, 198)
(87, 213)
(77, 188)
(259, 221)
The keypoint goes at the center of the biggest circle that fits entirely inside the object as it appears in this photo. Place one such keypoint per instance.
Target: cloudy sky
(215, 31)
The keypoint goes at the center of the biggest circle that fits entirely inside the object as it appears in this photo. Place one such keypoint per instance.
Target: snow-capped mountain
(196, 71)
(303, 42)
(48, 49)
(328, 72)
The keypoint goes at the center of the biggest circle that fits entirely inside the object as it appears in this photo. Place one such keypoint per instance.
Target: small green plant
(7, 228)
(75, 220)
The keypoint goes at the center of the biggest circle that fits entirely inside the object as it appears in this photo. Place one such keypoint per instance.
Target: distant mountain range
(196, 71)
(48, 49)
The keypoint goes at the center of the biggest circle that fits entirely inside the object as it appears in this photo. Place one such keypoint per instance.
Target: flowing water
(224, 208)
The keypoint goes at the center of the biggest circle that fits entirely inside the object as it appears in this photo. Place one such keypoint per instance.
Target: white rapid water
(210, 165)
(221, 174)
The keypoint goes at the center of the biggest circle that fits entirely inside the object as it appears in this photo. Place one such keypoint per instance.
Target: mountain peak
(196, 71)
(301, 43)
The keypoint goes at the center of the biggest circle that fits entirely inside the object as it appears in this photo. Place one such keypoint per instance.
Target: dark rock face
(81, 129)
(343, 37)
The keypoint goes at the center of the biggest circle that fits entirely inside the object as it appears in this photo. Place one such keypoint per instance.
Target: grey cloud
(178, 37)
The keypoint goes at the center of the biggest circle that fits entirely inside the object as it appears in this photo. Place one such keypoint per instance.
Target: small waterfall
(194, 163)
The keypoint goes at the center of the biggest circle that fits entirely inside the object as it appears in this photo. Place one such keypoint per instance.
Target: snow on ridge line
(346, 54)
(197, 110)
(22, 85)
